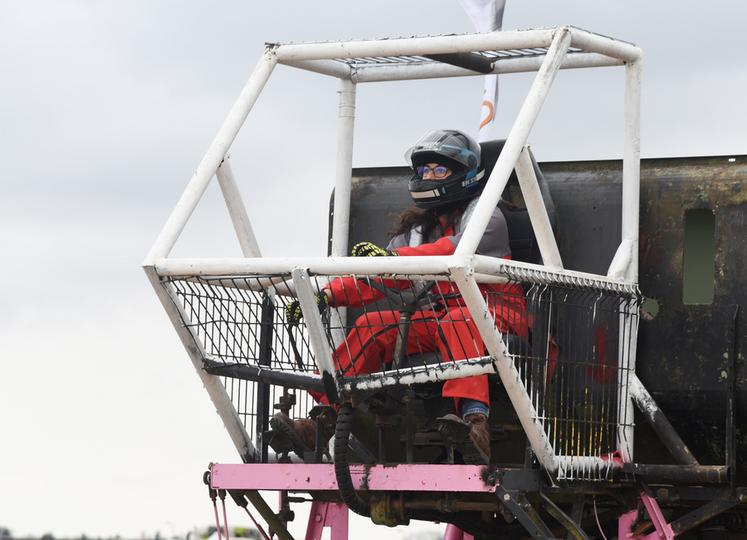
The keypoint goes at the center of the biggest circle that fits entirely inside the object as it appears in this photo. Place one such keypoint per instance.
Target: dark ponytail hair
(429, 218)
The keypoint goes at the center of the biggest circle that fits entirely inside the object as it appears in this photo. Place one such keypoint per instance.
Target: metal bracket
(665, 530)
(574, 529)
(577, 513)
(472, 61)
(522, 510)
(701, 515)
(327, 514)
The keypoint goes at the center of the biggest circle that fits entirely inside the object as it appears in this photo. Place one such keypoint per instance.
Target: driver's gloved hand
(369, 249)
(293, 313)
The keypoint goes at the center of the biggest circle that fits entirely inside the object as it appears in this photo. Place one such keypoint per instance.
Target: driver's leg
(460, 340)
(370, 344)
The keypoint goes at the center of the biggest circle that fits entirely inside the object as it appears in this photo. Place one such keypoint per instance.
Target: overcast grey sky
(105, 110)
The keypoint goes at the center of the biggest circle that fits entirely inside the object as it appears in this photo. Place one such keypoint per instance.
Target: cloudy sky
(106, 107)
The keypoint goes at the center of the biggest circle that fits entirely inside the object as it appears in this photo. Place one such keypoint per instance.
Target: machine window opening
(699, 256)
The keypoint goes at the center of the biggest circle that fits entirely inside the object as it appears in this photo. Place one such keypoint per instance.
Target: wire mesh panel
(571, 344)
(496, 55)
(239, 323)
(583, 342)
(242, 320)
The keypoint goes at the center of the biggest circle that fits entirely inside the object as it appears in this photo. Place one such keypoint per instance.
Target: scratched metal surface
(683, 351)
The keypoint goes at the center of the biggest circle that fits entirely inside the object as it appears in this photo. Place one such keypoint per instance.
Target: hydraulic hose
(342, 470)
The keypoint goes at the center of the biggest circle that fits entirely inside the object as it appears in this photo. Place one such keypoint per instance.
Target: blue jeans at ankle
(472, 406)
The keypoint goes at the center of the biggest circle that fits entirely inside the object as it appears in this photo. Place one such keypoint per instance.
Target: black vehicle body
(693, 225)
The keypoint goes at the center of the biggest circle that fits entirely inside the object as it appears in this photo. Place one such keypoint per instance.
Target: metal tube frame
(435, 267)
(631, 190)
(537, 212)
(663, 429)
(505, 367)
(416, 46)
(317, 338)
(514, 144)
(422, 374)
(465, 268)
(343, 186)
(625, 262)
(504, 66)
(237, 210)
(344, 170)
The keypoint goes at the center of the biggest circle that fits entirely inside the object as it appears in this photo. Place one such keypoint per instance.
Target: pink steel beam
(627, 520)
(455, 533)
(327, 514)
(321, 477)
(663, 529)
(625, 524)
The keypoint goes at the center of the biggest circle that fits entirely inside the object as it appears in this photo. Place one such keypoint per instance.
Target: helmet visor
(445, 147)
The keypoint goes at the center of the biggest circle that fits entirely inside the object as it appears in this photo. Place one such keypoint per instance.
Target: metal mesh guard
(494, 56)
(239, 326)
(571, 344)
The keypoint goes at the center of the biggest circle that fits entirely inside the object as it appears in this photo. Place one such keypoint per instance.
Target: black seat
(521, 236)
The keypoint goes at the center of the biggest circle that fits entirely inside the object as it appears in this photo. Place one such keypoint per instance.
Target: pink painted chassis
(321, 477)
(420, 477)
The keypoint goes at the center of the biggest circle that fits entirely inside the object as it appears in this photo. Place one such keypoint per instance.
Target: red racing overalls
(450, 331)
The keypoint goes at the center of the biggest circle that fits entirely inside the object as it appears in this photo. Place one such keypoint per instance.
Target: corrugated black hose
(342, 469)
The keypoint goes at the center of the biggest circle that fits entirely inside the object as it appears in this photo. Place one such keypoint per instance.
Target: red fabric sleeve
(442, 246)
(348, 291)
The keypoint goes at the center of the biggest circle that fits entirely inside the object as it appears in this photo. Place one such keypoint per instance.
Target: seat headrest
(489, 152)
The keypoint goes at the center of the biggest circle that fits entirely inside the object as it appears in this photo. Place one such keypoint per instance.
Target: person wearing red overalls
(446, 182)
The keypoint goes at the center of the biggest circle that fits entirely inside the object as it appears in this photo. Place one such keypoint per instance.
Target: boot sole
(455, 430)
(287, 432)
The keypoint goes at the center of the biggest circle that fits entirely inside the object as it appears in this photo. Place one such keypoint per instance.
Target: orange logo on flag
(491, 113)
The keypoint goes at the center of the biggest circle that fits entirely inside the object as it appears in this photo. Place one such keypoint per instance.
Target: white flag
(487, 16)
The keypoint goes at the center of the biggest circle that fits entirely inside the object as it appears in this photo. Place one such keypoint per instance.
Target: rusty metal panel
(683, 349)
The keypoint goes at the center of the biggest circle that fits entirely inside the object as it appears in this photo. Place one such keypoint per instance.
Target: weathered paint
(681, 350)
(321, 477)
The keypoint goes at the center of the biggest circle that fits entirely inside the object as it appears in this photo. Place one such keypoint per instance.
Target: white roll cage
(545, 51)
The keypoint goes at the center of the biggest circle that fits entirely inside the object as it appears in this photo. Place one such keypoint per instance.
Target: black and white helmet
(455, 150)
